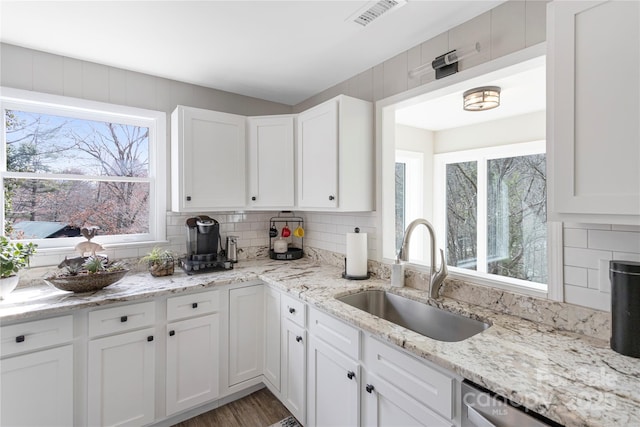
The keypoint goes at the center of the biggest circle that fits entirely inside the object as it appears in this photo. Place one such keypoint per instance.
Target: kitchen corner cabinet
(271, 162)
(37, 381)
(207, 160)
(272, 340)
(246, 339)
(121, 365)
(335, 156)
(593, 131)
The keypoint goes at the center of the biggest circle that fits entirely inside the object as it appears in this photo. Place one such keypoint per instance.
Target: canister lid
(625, 267)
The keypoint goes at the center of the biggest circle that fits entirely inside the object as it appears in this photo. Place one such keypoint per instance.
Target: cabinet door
(37, 388)
(192, 362)
(271, 160)
(246, 316)
(121, 375)
(593, 128)
(294, 357)
(272, 339)
(208, 160)
(332, 386)
(386, 406)
(318, 156)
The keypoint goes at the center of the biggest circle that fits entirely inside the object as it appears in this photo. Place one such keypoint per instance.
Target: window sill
(535, 289)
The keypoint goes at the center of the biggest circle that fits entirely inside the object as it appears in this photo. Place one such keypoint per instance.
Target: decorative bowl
(85, 282)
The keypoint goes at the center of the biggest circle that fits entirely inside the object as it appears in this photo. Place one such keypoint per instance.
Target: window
(69, 164)
(409, 197)
(494, 212)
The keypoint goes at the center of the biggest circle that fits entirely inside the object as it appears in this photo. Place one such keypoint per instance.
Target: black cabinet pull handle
(292, 310)
(188, 198)
(194, 305)
(254, 198)
(369, 388)
(123, 319)
(298, 338)
(172, 333)
(350, 375)
(20, 338)
(150, 338)
(331, 197)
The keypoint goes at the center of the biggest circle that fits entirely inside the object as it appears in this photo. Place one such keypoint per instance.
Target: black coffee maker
(203, 246)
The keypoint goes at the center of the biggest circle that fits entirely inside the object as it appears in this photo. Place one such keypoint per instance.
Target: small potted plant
(160, 262)
(14, 256)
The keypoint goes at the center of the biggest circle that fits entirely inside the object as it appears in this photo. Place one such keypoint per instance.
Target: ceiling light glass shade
(481, 98)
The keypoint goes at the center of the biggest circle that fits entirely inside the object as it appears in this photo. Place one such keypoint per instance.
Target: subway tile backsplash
(588, 248)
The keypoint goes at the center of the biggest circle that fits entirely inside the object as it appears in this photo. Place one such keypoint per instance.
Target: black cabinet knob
(292, 310)
(350, 375)
(254, 198)
(188, 198)
(172, 333)
(20, 338)
(150, 338)
(331, 197)
(369, 388)
(194, 305)
(123, 319)
(298, 338)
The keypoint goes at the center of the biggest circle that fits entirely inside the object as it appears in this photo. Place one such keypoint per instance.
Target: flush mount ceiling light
(481, 98)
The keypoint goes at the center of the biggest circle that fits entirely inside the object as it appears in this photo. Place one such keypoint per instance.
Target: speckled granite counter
(567, 377)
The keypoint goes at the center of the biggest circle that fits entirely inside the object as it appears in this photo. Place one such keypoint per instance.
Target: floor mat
(287, 422)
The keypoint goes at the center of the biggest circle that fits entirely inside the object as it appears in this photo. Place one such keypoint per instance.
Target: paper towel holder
(350, 276)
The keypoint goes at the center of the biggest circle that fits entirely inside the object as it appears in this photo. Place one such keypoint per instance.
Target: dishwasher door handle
(476, 417)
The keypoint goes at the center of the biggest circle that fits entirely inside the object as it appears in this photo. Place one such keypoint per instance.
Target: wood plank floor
(259, 409)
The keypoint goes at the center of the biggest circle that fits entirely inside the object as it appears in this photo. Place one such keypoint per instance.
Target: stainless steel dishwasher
(482, 408)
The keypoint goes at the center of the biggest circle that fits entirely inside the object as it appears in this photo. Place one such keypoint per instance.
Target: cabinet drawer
(121, 318)
(193, 305)
(340, 335)
(293, 310)
(37, 334)
(430, 386)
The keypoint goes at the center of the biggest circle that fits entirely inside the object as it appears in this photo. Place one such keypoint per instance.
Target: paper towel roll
(356, 254)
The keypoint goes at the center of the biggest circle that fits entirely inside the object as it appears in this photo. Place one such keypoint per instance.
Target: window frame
(482, 156)
(155, 121)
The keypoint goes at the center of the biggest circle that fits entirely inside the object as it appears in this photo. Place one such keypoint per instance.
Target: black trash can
(625, 307)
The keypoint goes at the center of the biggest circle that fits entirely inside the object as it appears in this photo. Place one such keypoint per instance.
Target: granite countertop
(569, 378)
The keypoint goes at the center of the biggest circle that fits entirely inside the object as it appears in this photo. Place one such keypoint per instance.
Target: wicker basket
(85, 282)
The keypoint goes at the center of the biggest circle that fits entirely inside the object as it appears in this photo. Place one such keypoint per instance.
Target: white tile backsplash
(588, 248)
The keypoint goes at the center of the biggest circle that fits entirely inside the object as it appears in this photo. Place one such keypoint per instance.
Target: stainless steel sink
(424, 319)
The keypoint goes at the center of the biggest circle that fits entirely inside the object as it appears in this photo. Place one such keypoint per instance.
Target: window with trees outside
(70, 164)
(494, 211)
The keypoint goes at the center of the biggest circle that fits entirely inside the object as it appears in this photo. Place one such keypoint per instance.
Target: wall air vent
(374, 10)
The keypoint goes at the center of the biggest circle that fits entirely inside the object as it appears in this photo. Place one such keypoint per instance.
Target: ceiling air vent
(374, 10)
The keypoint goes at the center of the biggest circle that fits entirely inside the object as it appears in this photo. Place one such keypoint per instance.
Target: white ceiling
(282, 51)
(522, 92)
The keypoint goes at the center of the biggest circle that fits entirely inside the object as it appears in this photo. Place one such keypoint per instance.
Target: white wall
(511, 130)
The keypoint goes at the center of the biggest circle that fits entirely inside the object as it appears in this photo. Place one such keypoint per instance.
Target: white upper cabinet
(335, 156)
(207, 160)
(271, 160)
(593, 126)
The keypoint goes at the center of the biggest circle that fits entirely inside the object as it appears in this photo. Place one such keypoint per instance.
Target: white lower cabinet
(294, 358)
(246, 333)
(272, 339)
(121, 368)
(384, 405)
(332, 384)
(192, 362)
(121, 375)
(37, 384)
